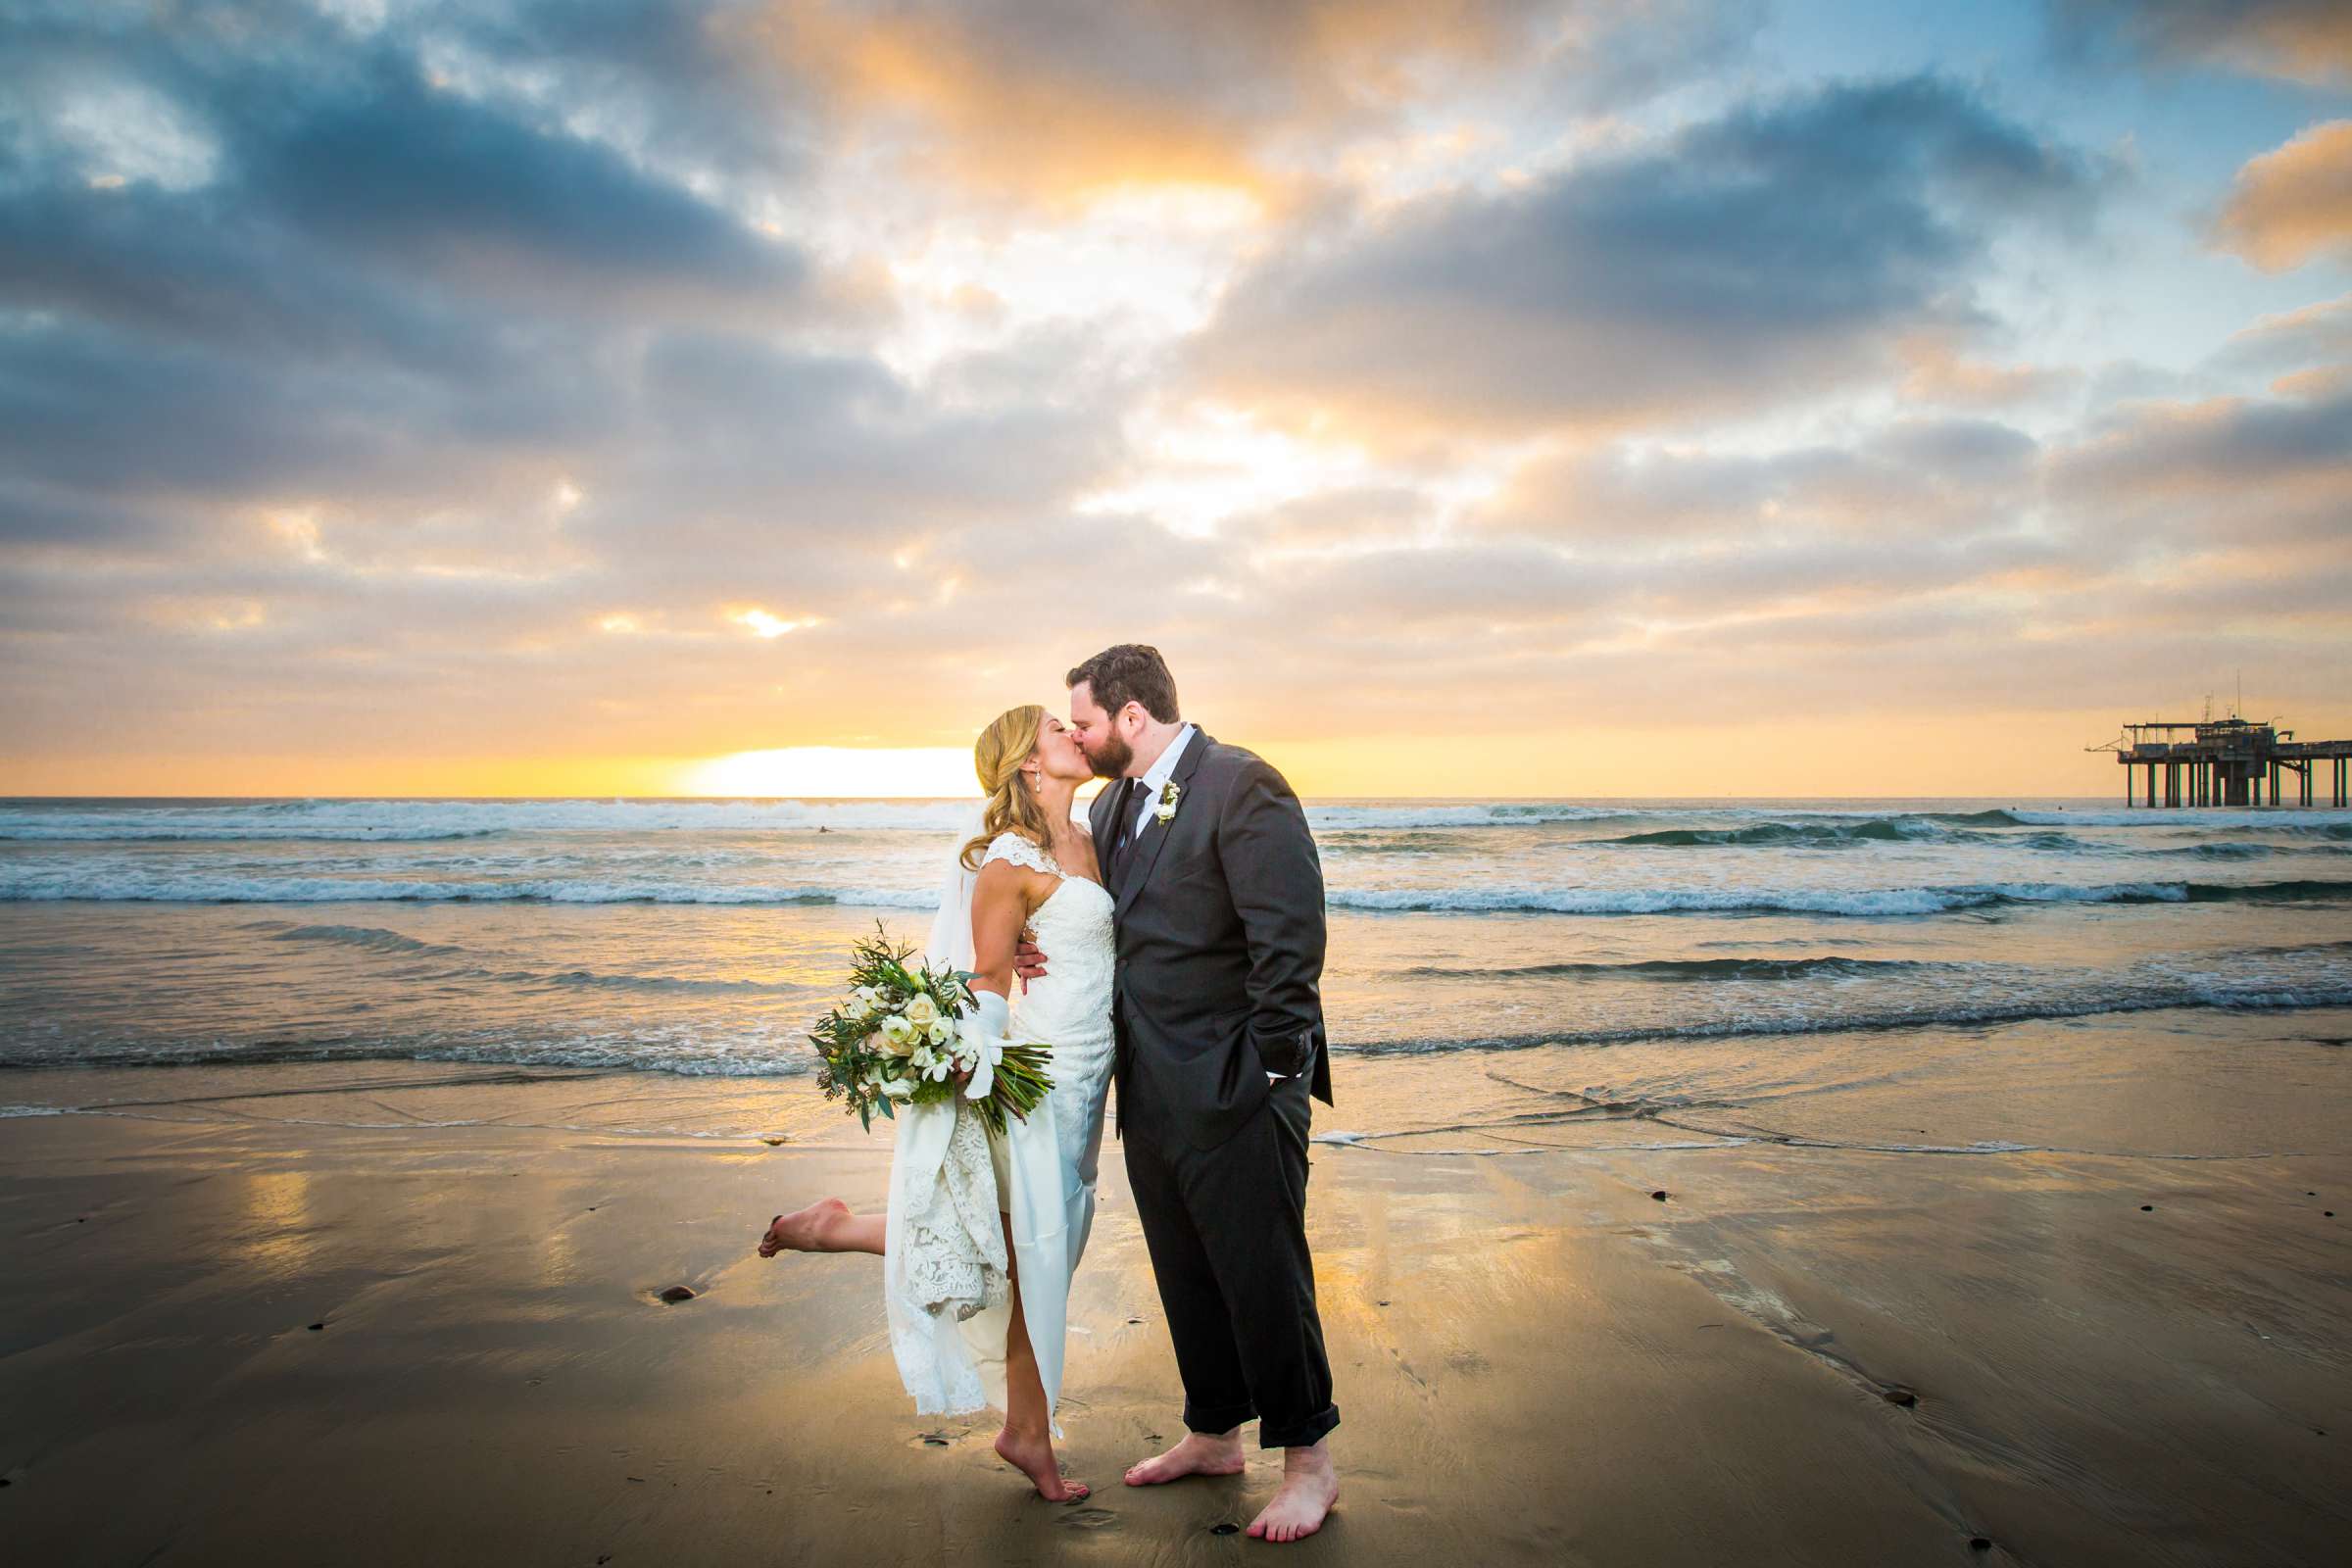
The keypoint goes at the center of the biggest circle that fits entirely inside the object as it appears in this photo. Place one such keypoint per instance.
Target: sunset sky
(604, 397)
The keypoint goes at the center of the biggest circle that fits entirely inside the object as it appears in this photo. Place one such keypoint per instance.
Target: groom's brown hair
(1130, 672)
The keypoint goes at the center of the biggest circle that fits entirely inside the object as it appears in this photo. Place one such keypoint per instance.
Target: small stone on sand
(1897, 1393)
(315, 1327)
(677, 1293)
(771, 1141)
(1659, 1194)
(2147, 1208)
(1978, 1544)
(1224, 1530)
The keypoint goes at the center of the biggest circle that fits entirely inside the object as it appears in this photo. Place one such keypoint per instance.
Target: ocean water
(701, 938)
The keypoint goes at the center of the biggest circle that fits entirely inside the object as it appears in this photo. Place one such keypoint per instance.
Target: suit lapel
(1146, 854)
(1112, 800)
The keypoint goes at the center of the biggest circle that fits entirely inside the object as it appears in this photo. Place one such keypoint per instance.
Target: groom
(1220, 900)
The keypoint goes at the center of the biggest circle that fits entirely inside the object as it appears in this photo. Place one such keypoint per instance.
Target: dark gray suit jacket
(1220, 942)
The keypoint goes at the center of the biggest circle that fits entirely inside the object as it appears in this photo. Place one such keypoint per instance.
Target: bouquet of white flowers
(909, 1035)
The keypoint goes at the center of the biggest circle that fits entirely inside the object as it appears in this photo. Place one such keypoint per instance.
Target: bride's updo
(1012, 805)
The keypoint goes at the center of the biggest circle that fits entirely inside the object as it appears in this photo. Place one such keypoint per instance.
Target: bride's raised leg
(824, 1226)
(1027, 1441)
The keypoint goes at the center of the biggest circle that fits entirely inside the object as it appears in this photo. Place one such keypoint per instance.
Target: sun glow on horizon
(833, 771)
(765, 625)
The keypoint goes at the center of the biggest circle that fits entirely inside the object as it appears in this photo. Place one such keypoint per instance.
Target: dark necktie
(1126, 837)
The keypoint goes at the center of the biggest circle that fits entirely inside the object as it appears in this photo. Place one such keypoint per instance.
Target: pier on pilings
(2228, 761)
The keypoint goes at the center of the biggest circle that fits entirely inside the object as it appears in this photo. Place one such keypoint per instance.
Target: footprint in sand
(1089, 1518)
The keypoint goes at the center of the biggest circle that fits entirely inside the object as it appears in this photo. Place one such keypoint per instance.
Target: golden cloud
(2293, 203)
(1060, 105)
(1934, 371)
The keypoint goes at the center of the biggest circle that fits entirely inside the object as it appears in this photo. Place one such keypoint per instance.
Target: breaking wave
(1867, 902)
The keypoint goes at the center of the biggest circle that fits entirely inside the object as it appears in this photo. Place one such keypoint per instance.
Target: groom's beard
(1112, 759)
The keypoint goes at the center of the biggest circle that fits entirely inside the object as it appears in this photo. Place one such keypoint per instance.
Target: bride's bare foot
(803, 1230)
(1033, 1456)
(1201, 1453)
(1309, 1487)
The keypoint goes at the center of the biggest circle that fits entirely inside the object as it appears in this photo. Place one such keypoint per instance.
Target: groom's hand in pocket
(1028, 963)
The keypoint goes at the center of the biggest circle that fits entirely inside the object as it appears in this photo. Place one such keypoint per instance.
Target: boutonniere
(1169, 794)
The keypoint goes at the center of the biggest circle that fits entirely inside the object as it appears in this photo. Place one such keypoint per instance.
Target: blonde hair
(997, 757)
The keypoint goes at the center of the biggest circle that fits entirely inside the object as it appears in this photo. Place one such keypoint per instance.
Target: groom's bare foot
(1310, 1484)
(1201, 1453)
(1033, 1456)
(804, 1229)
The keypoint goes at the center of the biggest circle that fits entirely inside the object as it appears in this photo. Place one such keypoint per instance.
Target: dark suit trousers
(1227, 1232)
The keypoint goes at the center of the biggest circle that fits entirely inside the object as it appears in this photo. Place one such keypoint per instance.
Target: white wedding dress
(944, 1261)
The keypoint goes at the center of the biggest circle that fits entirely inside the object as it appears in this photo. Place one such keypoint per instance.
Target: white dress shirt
(1158, 774)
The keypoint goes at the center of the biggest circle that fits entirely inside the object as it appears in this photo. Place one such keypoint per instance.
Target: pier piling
(2229, 761)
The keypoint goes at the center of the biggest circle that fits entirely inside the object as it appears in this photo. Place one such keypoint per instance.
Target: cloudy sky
(1469, 395)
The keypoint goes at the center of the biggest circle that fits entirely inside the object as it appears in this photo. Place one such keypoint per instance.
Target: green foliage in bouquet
(905, 1037)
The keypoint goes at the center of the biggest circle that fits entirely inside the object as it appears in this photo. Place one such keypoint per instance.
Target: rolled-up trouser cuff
(1299, 1434)
(1217, 1420)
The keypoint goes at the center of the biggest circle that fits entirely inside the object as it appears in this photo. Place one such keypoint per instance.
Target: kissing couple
(1176, 945)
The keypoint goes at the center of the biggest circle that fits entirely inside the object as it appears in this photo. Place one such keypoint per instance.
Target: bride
(976, 1311)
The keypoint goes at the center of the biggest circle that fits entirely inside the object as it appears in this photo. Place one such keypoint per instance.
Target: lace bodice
(1071, 1001)
(1017, 848)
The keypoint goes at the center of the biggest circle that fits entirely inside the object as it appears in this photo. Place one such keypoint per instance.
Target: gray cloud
(370, 284)
(410, 176)
(2217, 470)
(1750, 259)
(2298, 340)
(1908, 477)
(313, 138)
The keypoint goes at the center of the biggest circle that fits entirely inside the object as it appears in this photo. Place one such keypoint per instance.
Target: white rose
(942, 1031)
(922, 1011)
(898, 1034)
(897, 1088)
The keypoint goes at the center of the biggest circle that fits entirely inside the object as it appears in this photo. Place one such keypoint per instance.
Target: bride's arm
(1000, 907)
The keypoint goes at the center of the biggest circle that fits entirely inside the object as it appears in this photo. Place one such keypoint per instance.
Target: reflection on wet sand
(1581, 1305)
(275, 1236)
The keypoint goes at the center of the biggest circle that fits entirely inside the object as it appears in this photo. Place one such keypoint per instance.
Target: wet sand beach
(295, 1315)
